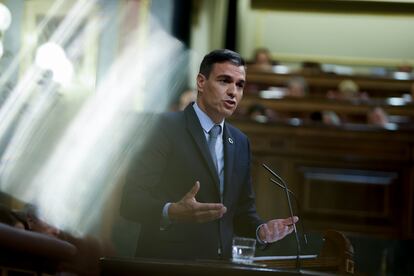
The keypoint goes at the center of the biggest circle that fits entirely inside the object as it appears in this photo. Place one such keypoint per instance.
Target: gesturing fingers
(268, 233)
(290, 221)
(204, 212)
(208, 206)
(188, 209)
(209, 215)
(194, 190)
(277, 229)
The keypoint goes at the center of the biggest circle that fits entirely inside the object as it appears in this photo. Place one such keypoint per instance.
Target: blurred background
(328, 105)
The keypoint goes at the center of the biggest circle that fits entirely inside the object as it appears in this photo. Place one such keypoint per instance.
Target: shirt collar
(205, 121)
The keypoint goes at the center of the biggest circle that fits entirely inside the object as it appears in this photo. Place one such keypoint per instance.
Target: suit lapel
(196, 131)
(229, 151)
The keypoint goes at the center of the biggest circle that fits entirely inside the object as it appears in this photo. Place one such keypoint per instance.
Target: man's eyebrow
(230, 77)
(224, 76)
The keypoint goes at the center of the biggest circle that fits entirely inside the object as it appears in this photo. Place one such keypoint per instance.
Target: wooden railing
(319, 84)
(308, 104)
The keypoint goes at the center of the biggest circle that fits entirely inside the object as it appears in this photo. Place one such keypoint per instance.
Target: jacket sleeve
(141, 200)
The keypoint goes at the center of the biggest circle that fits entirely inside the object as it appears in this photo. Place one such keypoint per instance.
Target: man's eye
(223, 81)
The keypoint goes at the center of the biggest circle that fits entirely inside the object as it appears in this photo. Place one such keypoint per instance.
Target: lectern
(336, 257)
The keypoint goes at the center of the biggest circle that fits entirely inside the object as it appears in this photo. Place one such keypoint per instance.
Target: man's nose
(231, 91)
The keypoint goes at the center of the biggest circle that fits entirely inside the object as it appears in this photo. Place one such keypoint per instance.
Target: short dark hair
(219, 56)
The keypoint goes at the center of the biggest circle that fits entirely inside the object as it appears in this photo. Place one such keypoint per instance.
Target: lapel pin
(230, 140)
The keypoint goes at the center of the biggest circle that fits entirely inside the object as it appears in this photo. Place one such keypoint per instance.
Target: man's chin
(228, 113)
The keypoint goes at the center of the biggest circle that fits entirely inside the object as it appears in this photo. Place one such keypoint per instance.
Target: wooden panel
(325, 189)
(355, 181)
(408, 204)
(328, 143)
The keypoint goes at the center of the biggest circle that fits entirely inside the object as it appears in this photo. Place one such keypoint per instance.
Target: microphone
(305, 238)
(285, 187)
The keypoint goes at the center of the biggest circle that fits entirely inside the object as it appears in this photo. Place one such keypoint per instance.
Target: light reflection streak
(69, 166)
(26, 90)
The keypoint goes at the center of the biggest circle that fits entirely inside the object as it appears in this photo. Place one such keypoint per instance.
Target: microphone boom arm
(291, 214)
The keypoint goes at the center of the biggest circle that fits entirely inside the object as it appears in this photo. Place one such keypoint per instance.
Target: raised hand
(277, 229)
(188, 209)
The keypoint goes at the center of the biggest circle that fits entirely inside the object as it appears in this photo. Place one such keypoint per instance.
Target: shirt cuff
(258, 237)
(165, 220)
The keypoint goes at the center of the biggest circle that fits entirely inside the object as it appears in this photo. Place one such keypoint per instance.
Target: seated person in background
(406, 68)
(325, 117)
(257, 113)
(8, 217)
(297, 87)
(347, 90)
(186, 98)
(35, 224)
(311, 68)
(27, 219)
(331, 118)
(89, 249)
(262, 60)
(377, 117)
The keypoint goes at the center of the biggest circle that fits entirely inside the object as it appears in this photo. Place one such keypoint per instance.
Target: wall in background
(327, 36)
(208, 29)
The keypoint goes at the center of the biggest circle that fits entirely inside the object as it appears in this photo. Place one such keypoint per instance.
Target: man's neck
(217, 121)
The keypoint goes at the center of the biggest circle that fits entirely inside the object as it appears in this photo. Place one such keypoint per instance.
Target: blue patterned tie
(213, 134)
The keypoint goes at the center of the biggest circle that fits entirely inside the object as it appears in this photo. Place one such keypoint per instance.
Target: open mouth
(230, 103)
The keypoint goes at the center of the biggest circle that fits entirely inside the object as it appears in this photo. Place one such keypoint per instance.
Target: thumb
(291, 220)
(194, 190)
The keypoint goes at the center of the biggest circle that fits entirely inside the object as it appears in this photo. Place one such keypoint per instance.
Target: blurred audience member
(297, 87)
(89, 249)
(326, 117)
(377, 117)
(262, 60)
(406, 68)
(8, 217)
(186, 98)
(37, 225)
(347, 90)
(311, 68)
(331, 118)
(257, 113)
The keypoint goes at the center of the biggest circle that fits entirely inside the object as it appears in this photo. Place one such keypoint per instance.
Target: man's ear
(201, 80)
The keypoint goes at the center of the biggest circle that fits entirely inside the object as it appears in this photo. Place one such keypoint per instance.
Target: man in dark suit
(190, 186)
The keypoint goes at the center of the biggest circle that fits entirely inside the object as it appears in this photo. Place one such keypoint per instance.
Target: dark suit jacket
(174, 158)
